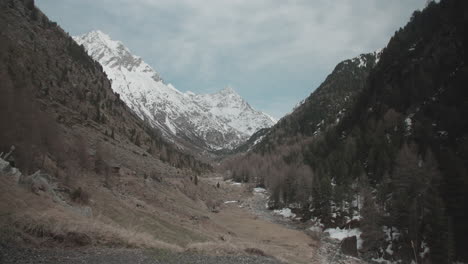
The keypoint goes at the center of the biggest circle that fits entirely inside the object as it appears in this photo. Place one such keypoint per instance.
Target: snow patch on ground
(170, 126)
(285, 212)
(228, 202)
(389, 249)
(340, 234)
(384, 261)
(231, 182)
(259, 190)
(425, 250)
(315, 229)
(409, 123)
(258, 140)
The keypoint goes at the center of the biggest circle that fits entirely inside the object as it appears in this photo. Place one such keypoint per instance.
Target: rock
(349, 246)
(15, 174)
(6, 169)
(37, 182)
(4, 166)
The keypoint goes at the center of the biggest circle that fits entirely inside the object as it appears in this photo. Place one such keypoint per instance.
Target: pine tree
(417, 206)
(438, 230)
(137, 140)
(371, 219)
(30, 4)
(322, 195)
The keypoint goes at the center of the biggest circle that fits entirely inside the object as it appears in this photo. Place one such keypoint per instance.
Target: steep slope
(84, 170)
(394, 164)
(56, 100)
(325, 106)
(213, 121)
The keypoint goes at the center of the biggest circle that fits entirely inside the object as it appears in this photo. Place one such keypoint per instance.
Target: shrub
(80, 196)
(255, 251)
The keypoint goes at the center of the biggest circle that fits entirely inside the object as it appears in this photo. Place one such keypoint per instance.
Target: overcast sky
(274, 53)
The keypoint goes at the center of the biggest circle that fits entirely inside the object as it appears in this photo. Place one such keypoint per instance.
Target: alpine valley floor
(228, 226)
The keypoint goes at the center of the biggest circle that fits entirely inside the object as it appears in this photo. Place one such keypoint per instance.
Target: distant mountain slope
(222, 120)
(326, 105)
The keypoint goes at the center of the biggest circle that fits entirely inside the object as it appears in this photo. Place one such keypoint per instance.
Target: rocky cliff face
(222, 120)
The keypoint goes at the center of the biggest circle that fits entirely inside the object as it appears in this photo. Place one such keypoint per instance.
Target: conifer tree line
(398, 157)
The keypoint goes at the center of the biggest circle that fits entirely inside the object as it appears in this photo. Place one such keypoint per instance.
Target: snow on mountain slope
(217, 121)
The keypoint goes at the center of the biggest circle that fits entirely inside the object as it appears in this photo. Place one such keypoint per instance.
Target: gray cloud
(263, 48)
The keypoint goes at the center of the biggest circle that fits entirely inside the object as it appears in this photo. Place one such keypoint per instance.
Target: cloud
(210, 43)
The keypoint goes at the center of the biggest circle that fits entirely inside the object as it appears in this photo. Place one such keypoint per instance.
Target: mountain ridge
(220, 120)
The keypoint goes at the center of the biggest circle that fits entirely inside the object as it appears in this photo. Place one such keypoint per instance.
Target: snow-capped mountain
(218, 121)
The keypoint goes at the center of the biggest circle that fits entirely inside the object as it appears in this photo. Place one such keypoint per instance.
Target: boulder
(4, 166)
(349, 246)
(37, 182)
(7, 170)
(15, 174)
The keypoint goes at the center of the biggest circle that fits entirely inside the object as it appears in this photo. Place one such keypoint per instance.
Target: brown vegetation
(284, 174)
(80, 196)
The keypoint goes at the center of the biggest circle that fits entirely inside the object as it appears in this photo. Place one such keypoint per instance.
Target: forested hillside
(51, 88)
(395, 158)
(326, 105)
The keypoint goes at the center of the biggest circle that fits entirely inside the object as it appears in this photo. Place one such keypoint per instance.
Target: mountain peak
(97, 33)
(218, 120)
(113, 54)
(100, 38)
(228, 89)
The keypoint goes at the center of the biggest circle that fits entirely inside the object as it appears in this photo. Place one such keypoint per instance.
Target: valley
(235, 224)
(103, 161)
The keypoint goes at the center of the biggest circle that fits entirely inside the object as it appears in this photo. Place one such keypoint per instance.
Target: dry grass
(80, 196)
(36, 219)
(136, 212)
(56, 225)
(255, 251)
